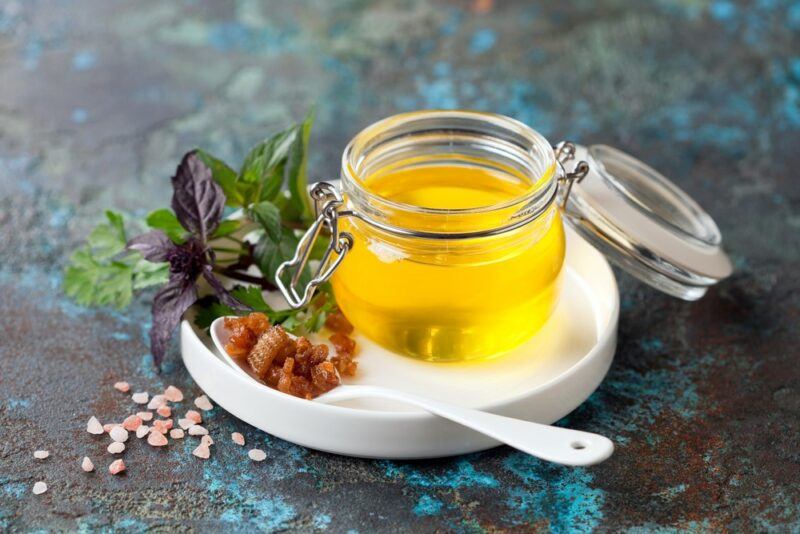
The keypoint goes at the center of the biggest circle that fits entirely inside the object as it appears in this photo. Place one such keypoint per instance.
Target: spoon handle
(551, 443)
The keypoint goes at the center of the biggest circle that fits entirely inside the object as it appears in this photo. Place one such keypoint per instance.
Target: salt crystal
(203, 403)
(206, 440)
(108, 426)
(142, 431)
(185, 423)
(237, 438)
(119, 434)
(140, 398)
(87, 464)
(197, 430)
(132, 422)
(39, 488)
(194, 415)
(173, 394)
(122, 386)
(144, 416)
(116, 467)
(116, 447)
(257, 455)
(94, 426)
(162, 425)
(176, 433)
(164, 411)
(157, 439)
(41, 455)
(157, 402)
(202, 451)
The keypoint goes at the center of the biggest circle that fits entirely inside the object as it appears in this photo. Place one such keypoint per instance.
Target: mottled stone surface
(98, 100)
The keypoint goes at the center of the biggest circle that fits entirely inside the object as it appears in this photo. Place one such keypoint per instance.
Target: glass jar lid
(643, 222)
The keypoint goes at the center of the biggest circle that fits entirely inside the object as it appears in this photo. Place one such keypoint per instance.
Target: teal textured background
(99, 99)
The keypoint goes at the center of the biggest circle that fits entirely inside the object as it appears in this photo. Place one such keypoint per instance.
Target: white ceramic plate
(543, 380)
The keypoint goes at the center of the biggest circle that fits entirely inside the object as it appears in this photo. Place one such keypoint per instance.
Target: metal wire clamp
(327, 201)
(565, 151)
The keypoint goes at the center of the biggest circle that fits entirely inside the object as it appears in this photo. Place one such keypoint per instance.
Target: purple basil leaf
(197, 199)
(154, 245)
(224, 296)
(169, 304)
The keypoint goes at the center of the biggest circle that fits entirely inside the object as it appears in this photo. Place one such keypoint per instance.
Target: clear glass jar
(447, 236)
(457, 241)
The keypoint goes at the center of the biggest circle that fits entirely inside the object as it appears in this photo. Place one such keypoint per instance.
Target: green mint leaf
(226, 227)
(296, 170)
(148, 274)
(165, 220)
(261, 176)
(224, 176)
(268, 216)
(269, 254)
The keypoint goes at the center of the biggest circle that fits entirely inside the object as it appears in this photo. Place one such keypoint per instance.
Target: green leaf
(90, 281)
(165, 220)
(261, 176)
(108, 239)
(226, 228)
(207, 313)
(268, 216)
(102, 273)
(148, 274)
(269, 254)
(296, 170)
(224, 176)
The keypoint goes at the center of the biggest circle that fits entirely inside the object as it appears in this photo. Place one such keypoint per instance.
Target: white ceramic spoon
(551, 443)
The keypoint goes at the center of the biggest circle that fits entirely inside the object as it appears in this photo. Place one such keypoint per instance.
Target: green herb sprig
(267, 200)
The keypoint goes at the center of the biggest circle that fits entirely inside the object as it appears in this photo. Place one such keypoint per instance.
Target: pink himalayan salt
(195, 416)
(203, 403)
(140, 398)
(116, 467)
(162, 425)
(157, 402)
(122, 386)
(186, 423)
(41, 455)
(176, 433)
(202, 451)
(197, 430)
(94, 426)
(116, 447)
(39, 488)
(119, 434)
(142, 431)
(87, 464)
(157, 439)
(173, 394)
(206, 440)
(144, 416)
(164, 411)
(132, 422)
(237, 438)
(257, 455)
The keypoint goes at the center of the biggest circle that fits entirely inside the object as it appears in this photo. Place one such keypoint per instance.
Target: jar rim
(528, 143)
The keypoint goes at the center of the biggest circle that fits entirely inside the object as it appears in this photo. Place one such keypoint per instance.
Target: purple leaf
(197, 199)
(169, 304)
(224, 296)
(154, 245)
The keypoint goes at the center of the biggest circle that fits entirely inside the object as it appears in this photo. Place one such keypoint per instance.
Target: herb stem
(244, 277)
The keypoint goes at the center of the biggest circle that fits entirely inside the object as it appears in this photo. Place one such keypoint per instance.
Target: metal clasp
(565, 151)
(327, 202)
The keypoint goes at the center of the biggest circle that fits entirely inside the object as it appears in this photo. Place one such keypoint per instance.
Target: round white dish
(543, 380)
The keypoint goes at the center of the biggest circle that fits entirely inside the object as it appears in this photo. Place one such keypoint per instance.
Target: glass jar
(447, 241)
